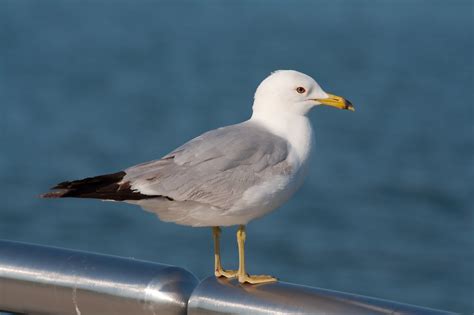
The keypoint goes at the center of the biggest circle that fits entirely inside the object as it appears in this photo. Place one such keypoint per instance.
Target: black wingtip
(62, 185)
(53, 194)
(105, 187)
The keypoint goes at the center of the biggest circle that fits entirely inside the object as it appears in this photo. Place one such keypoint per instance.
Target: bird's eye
(300, 89)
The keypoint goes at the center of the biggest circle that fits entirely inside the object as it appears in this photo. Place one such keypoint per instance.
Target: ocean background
(92, 87)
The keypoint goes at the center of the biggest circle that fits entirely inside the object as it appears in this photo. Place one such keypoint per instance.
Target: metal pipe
(45, 280)
(220, 296)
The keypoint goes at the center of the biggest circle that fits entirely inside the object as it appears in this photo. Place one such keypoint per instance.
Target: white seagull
(227, 176)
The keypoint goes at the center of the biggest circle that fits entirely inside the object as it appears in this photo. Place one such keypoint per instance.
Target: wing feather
(215, 168)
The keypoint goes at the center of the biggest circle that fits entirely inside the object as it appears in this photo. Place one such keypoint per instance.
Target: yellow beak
(336, 101)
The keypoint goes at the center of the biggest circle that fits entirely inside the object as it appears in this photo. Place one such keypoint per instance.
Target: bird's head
(293, 92)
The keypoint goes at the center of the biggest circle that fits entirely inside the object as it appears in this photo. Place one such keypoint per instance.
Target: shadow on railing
(38, 279)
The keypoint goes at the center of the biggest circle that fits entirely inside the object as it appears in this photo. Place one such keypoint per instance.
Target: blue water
(92, 87)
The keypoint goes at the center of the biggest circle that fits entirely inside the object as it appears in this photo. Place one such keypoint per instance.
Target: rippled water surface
(92, 87)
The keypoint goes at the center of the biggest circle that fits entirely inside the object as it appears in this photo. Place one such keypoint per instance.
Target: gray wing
(215, 168)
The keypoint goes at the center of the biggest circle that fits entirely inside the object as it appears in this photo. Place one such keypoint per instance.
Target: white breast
(296, 129)
(263, 198)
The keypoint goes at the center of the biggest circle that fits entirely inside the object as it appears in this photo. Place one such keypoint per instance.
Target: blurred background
(88, 88)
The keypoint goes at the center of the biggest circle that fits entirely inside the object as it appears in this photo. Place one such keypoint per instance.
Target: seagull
(227, 176)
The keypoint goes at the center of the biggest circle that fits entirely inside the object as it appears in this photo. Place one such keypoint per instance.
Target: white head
(293, 92)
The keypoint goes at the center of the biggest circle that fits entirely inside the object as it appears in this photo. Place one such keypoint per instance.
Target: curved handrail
(37, 279)
(47, 280)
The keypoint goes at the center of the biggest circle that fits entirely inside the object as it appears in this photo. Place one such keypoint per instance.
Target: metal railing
(45, 280)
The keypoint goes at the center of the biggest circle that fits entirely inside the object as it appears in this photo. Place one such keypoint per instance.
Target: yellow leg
(218, 270)
(242, 275)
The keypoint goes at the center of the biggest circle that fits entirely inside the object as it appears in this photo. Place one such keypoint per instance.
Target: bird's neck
(296, 129)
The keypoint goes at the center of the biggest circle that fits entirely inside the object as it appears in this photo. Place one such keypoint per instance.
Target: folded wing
(215, 168)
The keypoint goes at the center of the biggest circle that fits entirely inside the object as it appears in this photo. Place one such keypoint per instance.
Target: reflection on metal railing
(216, 296)
(45, 280)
